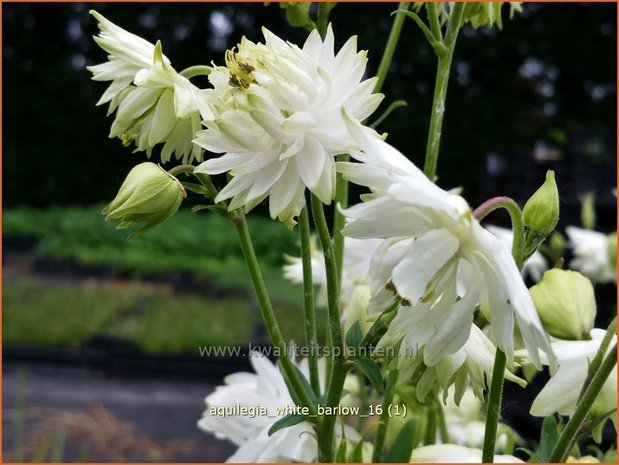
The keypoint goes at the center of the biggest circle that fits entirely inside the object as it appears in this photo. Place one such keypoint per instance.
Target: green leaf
(285, 422)
(354, 335)
(340, 455)
(306, 386)
(357, 452)
(548, 439)
(402, 447)
(195, 188)
(370, 370)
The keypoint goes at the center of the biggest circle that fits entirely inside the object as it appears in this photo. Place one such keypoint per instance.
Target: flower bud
(587, 212)
(565, 302)
(149, 195)
(541, 214)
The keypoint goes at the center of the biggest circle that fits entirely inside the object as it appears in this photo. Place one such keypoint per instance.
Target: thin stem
(442, 424)
(568, 436)
(308, 298)
(323, 18)
(517, 225)
(339, 221)
(440, 91)
(187, 169)
(494, 406)
(198, 70)
(435, 24)
(430, 437)
(611, 332)
(268, 314)
(392, 42)
(338, 373)
(381, 429)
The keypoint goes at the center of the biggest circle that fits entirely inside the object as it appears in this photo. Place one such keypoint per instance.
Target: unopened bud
(541, 214)
(148, 196)
(565, 302)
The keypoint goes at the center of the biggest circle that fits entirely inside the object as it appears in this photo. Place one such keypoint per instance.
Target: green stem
(338, 373)
(339, 220)
(198, 70)
(430, 437)
(568, 436)
(435, 24)
(268, 314)
(442, 424)
(381, 429)
(611, 332)
(517, 225)
(444, 55)
(323, 18)
(392, 42)
(187, 169)
(308, 299)
(494, 406)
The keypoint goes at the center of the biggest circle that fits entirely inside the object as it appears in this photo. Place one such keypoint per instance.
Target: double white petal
(436, 257)
(279, 122)
(153, 103)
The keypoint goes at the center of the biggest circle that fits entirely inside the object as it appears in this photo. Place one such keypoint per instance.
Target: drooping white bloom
(472, 363)
(592, 254)
(154, 104)
(562, 390)
(265, 388)
(534, 266)
(278, 120)
(452, 453)
(436, 257)
(355, 288)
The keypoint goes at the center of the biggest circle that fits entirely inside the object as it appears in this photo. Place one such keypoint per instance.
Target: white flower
(278, 119)
(266, 388)
(355, 289)
(153, 103)
(562, 390)
(473, 363)
(591, 252)
(436, 257)
(534, 266)
(452, 453)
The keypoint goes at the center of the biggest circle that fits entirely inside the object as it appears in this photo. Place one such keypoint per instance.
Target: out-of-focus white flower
(153, 103)
(452, 453)
(561, 393)
(534, 266)
(278, 120)
(355, 289)
(436, 257)
(592, 254)
(266, 388)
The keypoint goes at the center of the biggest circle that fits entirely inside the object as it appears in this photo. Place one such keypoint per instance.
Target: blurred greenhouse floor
(71, 415)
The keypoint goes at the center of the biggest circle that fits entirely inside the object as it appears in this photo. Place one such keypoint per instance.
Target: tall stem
(338, 373)
(198, 70)
(381, 429)
(444, 55)
(308, 298)
(494, 406)
(568, 436)
(392, 42)
(268, 314)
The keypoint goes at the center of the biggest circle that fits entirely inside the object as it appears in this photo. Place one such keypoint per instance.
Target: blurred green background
(540, 94)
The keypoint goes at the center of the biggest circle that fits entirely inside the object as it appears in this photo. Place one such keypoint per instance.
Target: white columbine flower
(452, 453)
(561, 393)
(266, 388)
(355, 288)
(592, 254)
(279, 122)
(534, 266)
(436, 257)
(153, 103)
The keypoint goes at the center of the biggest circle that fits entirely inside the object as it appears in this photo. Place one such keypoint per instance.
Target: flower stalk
(444, 53)
(381, 430)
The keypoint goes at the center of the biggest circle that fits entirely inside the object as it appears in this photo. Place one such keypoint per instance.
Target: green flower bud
(297, 13)
(149, 195)
(565, 302)
(587, 212)
(541, 214)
